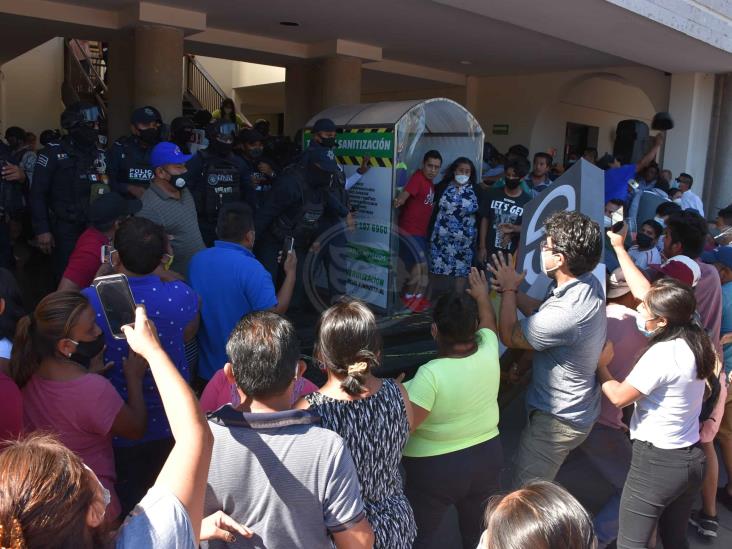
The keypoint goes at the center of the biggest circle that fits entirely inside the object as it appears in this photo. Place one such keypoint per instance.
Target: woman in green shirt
(454, 455)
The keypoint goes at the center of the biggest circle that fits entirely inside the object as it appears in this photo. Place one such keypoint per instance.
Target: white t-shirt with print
(668, 415)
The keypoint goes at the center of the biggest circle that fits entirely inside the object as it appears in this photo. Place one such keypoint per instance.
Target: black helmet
(180, 124)
(221, 131)
(78, 114)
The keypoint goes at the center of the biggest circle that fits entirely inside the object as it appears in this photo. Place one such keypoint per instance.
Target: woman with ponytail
(667, 385)
(372, 415)
(54, 352)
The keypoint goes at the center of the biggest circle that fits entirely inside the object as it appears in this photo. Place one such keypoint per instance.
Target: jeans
(609, 451)
(465, 479)
(137, 468)
(661, 487)
(545, 443)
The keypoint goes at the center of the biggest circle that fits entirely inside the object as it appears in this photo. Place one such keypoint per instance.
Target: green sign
(500, 129)
(376, 142)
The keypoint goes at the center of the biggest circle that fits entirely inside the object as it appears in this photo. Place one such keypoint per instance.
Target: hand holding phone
(117, 302)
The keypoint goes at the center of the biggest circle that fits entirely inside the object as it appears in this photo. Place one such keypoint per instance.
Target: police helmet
(221, 131)
(78, 114)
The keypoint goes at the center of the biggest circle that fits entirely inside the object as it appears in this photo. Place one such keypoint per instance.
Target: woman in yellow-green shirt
(454, 456)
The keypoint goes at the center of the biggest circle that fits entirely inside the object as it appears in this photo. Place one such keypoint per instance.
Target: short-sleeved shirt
(499, 208)
(171, 306)
(86, 258)
(461, 396)
(727, 324)
(628, 344)
(414, 219)
(179, 219)
(81, 411)
(568, 333)
(159, 521)
(708, 293)
(287, 478)
(11, 409)
(644, 258)
(668, 415)
(232, 284)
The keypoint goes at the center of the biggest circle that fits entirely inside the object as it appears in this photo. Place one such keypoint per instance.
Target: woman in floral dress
(455, 228)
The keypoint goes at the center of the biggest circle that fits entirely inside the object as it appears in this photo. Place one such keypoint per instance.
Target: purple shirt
(171, 306)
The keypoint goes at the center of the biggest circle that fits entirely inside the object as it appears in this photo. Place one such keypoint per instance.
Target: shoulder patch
(42, 160)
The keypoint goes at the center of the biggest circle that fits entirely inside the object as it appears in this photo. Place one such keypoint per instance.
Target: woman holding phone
(55, 352)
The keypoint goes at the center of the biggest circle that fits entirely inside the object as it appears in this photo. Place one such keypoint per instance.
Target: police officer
(181, 133)
(250, 148)
(130, 171)
(216, 176)
(67, 176)
(296, 210)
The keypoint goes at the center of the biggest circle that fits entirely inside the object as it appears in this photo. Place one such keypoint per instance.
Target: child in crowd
(644, 252)
(372, 415)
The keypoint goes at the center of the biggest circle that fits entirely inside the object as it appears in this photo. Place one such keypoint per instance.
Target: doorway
(577, 138)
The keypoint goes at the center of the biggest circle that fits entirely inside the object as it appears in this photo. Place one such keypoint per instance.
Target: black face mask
(643, 240)
(87, 350)
(512, 183)
(329, 142)
(222, 149)
(150, 136)
(84, 136)
(182, 138)
(319, 178)
(256, 152)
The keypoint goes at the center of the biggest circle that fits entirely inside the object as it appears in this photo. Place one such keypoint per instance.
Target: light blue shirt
(727, 323)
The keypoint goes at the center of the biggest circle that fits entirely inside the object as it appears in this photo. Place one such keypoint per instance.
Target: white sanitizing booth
(395, 135)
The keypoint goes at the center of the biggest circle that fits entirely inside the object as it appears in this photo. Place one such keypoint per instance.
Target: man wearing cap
(261, 173)
(296, 210)
(130, 171)
(66, 174)
(170, 204)
(105, 215)
(217, 177)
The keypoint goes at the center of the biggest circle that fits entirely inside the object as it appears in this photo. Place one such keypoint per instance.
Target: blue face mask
(660, 221)
(640, 323)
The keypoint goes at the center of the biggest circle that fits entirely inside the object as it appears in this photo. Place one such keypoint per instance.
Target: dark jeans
(137, 468)
(661, 487)
(465, 479)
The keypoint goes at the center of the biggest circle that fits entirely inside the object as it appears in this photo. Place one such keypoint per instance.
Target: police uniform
(130, 164)
(214, 181)
(66, 179)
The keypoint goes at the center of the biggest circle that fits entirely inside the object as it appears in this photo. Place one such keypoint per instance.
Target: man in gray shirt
(168, 203)
(275, 470)
(567, 334)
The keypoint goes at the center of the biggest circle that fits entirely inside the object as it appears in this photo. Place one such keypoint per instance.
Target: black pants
(661, 487)
(465, 479)
(137, 468)
(65, 235)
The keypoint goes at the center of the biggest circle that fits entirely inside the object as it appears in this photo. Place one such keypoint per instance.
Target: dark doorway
(577, 138)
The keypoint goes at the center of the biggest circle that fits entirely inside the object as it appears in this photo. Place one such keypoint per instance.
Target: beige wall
(237, 74)
(30, 89)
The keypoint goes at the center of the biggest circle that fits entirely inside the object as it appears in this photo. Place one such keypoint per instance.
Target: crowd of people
(205, 425)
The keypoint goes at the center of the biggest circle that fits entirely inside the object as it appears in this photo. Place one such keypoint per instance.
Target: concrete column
(158, 74)
(300, 82)
(718, 188)
(341, 81)
(120, 80)
(690, 105)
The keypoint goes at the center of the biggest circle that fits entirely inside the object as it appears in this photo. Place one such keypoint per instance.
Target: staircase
(201, 90)
(85, 75)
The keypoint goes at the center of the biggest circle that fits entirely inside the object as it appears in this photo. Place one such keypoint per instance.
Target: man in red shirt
(416, 200)
(105, 215)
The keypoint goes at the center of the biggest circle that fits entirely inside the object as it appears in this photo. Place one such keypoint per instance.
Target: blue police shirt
(171, 306)
(232, 284)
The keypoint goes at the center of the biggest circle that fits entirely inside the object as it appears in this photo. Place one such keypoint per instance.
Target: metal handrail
(97, 80)
(201, 86)
(79, 81)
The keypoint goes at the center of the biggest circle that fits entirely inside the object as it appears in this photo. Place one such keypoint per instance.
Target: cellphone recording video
(617, 227)
(117, 302)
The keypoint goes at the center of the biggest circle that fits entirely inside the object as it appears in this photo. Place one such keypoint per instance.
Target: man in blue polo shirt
(232, 284)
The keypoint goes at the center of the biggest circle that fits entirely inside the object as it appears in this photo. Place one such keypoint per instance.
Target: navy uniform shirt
(129, 164)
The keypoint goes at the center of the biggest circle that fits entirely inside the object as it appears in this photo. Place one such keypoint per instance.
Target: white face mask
(660, 221)
(544, 268)
(462, 179)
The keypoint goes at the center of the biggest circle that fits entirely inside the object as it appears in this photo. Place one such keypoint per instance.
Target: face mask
(660, 221)
(86, 350)
(512, 183)
(150, 136)
(329, 142)
(640, 323)
(182, 137)
(85, 136)
(544, 269)
(677, 201)
(223, 149)
(607, 222)
(462, 179)
(256, 152)
(177, 180)
(644, 241)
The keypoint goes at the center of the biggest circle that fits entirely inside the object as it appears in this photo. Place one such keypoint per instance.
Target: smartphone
(106, 254)
(288, 246)
(617, 227)
(117, 302)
